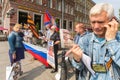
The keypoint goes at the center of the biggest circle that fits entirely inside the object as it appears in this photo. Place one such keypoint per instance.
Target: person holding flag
(52, 34)
(56, 40)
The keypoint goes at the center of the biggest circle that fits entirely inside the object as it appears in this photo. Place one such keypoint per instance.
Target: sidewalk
(33, 69)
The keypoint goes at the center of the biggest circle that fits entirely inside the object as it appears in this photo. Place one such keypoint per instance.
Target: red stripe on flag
(44, 61)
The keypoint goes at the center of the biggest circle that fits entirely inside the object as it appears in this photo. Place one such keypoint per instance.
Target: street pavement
(32, 69)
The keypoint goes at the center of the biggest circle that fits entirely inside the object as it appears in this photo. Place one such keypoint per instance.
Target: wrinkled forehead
(102, 15)
(98, 13)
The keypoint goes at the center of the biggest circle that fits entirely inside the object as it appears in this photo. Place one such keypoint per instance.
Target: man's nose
(96, 25)
(75, 30)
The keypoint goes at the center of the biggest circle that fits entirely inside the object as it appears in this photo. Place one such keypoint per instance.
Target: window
(77, 7)
(32, 0)
(59, 6)
(49, 4)
(71, 11)
(70, 25)
(77, 18)
(37, 20)
(80, 19)
(57, 3)
(64, 24)
(57, 22)
(66, 8)
(39, 2)
(22, 19)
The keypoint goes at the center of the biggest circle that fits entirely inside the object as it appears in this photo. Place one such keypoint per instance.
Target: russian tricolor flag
(38, 52)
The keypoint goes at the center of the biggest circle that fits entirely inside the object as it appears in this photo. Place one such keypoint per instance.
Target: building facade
(16, 11)
(82, 8)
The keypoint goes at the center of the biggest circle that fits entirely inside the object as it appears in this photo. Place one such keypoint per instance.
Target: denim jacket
(15, 41)
(78, 36)
(100, 53)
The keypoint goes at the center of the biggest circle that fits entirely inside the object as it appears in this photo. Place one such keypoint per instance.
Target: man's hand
(76, 51)
(68, 52)
(111, 30)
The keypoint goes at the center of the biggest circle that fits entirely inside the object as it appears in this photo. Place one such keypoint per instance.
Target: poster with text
(66, 39)
(50, 54)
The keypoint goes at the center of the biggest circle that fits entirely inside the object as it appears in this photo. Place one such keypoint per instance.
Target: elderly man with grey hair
(102, 46)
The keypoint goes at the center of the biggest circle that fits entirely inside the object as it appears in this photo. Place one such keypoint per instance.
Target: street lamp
(10, 12)
(85, 12)
(62, 13)
(63, 65)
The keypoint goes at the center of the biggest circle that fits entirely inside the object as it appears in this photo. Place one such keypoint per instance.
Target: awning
(2, 28)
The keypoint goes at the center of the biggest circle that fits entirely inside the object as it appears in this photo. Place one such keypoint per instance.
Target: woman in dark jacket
(56, 38)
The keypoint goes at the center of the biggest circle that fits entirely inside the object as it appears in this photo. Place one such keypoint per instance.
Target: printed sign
(50, 54)
(66, 38)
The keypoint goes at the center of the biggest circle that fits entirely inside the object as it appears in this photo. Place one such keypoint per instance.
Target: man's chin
(99, 34)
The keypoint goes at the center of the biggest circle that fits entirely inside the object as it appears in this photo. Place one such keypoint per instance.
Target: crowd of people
(102, 45)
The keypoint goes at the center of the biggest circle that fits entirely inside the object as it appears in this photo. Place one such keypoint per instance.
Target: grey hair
(98, 8)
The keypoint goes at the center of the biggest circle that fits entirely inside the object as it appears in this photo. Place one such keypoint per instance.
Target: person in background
(45, 35)
(102, 46)
(48, 33)
(46, 38)
(16, 51)
(80, 32)
(30, 36)
(56, 38)
(26, 35)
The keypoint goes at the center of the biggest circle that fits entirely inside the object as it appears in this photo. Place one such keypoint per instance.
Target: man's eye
(100, 22)
(93, 22)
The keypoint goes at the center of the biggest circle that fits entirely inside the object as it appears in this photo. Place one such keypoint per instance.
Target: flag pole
(63, 65)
